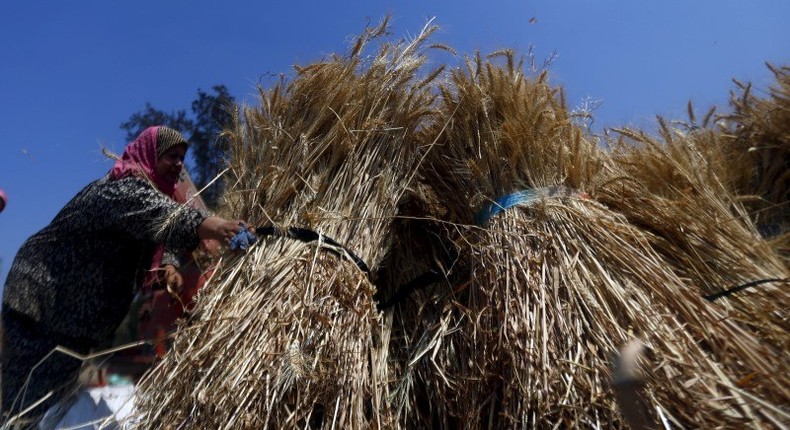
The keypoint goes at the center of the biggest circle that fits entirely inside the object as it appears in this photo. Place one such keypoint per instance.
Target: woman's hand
(171, 278)
(219, 229)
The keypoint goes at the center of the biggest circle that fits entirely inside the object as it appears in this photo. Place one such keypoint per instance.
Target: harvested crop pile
(288, 335)
(677, 190)
(465, 255)
(761, 147)
(547, 283)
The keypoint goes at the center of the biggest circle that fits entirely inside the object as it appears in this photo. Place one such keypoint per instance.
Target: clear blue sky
(72, 71)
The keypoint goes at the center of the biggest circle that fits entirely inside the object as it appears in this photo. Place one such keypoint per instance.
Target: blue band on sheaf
(523, 197)
(506, 202)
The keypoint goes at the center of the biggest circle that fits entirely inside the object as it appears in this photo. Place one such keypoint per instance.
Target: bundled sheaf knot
(243, 239)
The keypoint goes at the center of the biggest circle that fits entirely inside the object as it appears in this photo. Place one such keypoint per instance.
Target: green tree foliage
(210, 113)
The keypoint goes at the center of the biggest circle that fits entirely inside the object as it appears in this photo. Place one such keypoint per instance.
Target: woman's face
(169, 165)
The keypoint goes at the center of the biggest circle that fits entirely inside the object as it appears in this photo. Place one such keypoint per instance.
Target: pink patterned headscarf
(140, 158)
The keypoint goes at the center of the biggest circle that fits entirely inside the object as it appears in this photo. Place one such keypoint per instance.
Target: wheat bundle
(555, 285)
(678, 190)
(287, 335)
(761, 146)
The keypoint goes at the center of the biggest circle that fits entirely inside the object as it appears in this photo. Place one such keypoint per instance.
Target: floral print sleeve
(146, 214)
(171, 258)
(78, 275)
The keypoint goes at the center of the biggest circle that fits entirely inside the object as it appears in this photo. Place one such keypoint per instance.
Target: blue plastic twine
(506, 202)
(525, 197)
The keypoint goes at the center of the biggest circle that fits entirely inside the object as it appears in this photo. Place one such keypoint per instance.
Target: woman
(3, 199)
(72, 283)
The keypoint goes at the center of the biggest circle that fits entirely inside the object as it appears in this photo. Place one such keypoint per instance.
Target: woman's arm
(134, 206)
(137, 208)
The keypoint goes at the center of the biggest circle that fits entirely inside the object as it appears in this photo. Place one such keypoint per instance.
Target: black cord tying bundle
(306, 235)
(725, 293)
(417, 283)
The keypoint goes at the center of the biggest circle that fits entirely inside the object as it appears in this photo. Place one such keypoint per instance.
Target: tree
(211, 113)
(149, 116)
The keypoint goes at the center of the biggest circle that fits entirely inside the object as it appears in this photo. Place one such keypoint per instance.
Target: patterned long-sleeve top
(78, 276)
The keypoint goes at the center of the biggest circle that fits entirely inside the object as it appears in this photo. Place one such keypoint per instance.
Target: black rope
(725, 293)
(406, 289)
(306, 235)
(430, 277)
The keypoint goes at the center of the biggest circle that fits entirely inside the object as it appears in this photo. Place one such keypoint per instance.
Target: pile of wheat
(510, 254)
(539, 297)
(288, 335)
(760, 128)
(679, 189)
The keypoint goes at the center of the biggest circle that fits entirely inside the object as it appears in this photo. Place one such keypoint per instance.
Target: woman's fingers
(232, 228)
(172, 278)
